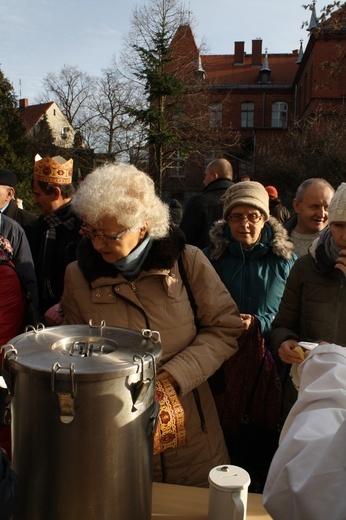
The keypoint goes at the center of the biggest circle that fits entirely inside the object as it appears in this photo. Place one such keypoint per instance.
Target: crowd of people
(233, 282)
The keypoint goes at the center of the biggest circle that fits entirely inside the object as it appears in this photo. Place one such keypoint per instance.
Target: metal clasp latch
(147, 376)
(66, 392)
(153, 335)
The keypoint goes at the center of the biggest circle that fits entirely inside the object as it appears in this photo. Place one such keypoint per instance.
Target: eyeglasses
(238, 217)
(92, 235)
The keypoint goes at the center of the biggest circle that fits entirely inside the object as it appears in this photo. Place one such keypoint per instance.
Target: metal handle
(65, 398)
(147, 376)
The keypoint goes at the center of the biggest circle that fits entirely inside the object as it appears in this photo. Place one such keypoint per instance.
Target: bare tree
(113, 124)
(314, 147)
(72, 90)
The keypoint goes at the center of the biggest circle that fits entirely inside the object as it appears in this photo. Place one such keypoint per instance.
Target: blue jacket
(256, 277)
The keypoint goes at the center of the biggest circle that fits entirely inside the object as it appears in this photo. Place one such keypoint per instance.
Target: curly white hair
(122, 192)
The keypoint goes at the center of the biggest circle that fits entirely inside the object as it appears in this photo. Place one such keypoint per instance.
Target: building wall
(62, 131)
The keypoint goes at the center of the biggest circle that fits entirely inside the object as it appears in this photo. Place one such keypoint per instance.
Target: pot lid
(105, 352)
(228, 478)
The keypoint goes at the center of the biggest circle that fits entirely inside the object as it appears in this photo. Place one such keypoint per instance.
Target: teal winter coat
(256, 277)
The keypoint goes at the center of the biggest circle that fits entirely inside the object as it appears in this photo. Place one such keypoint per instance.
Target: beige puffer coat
(91, 289)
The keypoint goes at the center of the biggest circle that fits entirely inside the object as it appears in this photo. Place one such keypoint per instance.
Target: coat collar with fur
(280, 244)
(162, 255)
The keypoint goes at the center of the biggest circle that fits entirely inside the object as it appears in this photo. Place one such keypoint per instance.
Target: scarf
(6, 251)
(130, 266)
(48, 251)
(326, 251)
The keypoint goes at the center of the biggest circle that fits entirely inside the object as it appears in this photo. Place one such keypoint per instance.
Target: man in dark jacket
(8, 206)
(204, 209)
(54, 236)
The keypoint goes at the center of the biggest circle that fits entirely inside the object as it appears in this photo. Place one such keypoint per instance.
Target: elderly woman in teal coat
(253, 256)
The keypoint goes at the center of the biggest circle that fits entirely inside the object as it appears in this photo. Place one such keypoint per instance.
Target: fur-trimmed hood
(274, 234)
(162, 255)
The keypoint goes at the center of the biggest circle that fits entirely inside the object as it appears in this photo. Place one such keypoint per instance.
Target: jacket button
(110, 296)
(98, 295)
(117, 289)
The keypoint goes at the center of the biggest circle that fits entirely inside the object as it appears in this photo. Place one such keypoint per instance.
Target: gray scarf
(331, 250)
(131, 265)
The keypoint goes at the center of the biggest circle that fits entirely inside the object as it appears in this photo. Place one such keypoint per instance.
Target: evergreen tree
(154, 26)
(13, 144)
(41, 139)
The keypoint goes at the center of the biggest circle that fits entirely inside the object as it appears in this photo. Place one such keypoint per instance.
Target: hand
(247, 320)
(165, 375)
(287, 354)
(341, 261)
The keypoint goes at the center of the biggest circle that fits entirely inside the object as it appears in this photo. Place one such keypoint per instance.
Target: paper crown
(55, 170)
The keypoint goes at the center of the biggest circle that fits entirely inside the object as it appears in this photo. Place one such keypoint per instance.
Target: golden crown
(55, 170)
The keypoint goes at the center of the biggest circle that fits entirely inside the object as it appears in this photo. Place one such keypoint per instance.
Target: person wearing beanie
(313, 306)
(277, 209)
(175, 211)
(253, 255)
(8, 205)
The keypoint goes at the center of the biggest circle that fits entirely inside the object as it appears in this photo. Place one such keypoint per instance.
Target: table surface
(172, 502)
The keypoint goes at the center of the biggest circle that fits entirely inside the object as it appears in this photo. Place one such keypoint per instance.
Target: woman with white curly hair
(127, 274)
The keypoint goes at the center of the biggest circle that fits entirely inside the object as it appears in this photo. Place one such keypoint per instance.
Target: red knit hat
(272, 192)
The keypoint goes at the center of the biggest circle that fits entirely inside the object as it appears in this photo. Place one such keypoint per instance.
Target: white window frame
(177, 168)
(279, 114)
(247, 115)
(215, 115)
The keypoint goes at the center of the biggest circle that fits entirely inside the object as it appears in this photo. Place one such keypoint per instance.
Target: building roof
(221, 70)
(234, 70)
(30, 115)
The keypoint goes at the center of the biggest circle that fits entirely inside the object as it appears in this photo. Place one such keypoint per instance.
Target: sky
(41, 36)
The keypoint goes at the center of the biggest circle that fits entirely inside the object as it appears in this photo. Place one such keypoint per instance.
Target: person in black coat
(276, 208)
(8, 206)
(204, 209)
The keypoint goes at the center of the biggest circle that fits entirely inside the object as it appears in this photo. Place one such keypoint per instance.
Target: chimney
(23, 103)
(256, 53)
(239, 53)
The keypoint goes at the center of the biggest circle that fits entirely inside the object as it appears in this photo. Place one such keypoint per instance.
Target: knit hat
(272, 192)
(337, 207)
(251, 193)
(176, 211)
(7, 178)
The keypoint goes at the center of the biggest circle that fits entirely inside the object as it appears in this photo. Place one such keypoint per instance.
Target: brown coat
(189, 357)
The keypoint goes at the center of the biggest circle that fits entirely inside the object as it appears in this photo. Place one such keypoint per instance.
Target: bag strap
(190, 295)
(134, 305)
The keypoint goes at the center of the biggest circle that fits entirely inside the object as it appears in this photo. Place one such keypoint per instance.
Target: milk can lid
(100, 351)
(229, 477)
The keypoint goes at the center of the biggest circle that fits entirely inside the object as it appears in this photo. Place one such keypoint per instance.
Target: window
(247, 115)
(215, 115)
(64, 131)
(279, 114)
(177, 166)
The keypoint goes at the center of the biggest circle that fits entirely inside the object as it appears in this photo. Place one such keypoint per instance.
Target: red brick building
(258, 93)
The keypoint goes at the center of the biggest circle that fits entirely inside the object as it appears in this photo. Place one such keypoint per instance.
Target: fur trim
(162, 255)
(281, 244)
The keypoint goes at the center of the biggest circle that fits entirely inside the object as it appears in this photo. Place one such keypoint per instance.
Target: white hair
(120, 191)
